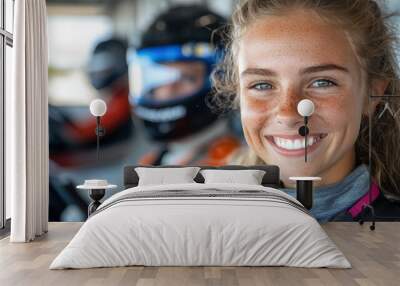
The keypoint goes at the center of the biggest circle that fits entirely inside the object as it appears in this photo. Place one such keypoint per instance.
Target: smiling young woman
(335, 53)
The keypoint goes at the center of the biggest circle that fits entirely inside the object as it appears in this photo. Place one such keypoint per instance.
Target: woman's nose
(287, 114)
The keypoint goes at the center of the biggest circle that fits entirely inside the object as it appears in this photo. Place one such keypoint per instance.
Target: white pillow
(163, 176)
(248, 177)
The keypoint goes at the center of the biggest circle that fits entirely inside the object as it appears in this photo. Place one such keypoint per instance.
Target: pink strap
(357, 208)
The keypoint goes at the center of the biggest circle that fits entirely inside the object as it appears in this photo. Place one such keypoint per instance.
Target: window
(6, 43)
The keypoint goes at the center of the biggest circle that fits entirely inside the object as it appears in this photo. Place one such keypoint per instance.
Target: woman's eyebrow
(312, 69)
(258, 71)
(324, 67)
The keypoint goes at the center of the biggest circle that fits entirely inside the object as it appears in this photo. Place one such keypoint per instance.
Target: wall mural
(185, 88)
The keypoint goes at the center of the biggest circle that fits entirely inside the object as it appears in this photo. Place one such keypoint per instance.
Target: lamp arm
(100, 132)
(306, 138)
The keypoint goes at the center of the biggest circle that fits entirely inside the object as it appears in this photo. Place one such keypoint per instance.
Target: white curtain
(27, 123)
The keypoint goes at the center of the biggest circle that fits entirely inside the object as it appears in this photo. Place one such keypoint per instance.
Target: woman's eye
(261, 86)
(323, 83)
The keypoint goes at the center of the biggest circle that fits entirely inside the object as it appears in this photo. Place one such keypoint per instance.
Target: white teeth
(295, 144)
(298, 144)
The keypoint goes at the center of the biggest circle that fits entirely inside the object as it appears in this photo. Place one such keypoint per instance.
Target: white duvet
(183, 231)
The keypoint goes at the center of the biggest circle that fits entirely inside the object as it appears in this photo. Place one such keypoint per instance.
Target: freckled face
(284, 59)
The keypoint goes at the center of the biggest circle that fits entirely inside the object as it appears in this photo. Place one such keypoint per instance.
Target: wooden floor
(375, 257)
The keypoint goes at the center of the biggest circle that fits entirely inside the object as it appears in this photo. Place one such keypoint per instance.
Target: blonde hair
(373, 36)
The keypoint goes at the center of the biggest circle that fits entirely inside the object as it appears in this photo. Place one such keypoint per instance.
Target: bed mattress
(201, 225)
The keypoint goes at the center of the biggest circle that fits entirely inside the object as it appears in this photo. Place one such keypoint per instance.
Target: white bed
(201, 224)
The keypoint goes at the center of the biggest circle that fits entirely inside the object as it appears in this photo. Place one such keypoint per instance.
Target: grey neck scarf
(333, 199)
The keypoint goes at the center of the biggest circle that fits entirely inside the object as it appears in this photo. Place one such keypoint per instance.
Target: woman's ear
(378, 88)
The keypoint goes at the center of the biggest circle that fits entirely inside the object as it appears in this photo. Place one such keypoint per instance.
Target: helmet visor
(164, 74)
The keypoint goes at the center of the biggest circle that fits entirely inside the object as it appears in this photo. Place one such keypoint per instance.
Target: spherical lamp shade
(98, 107)
(305, 107)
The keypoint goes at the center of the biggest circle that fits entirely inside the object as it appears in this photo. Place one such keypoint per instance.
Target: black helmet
(107, 62)
(180, 35)
(183, 24)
